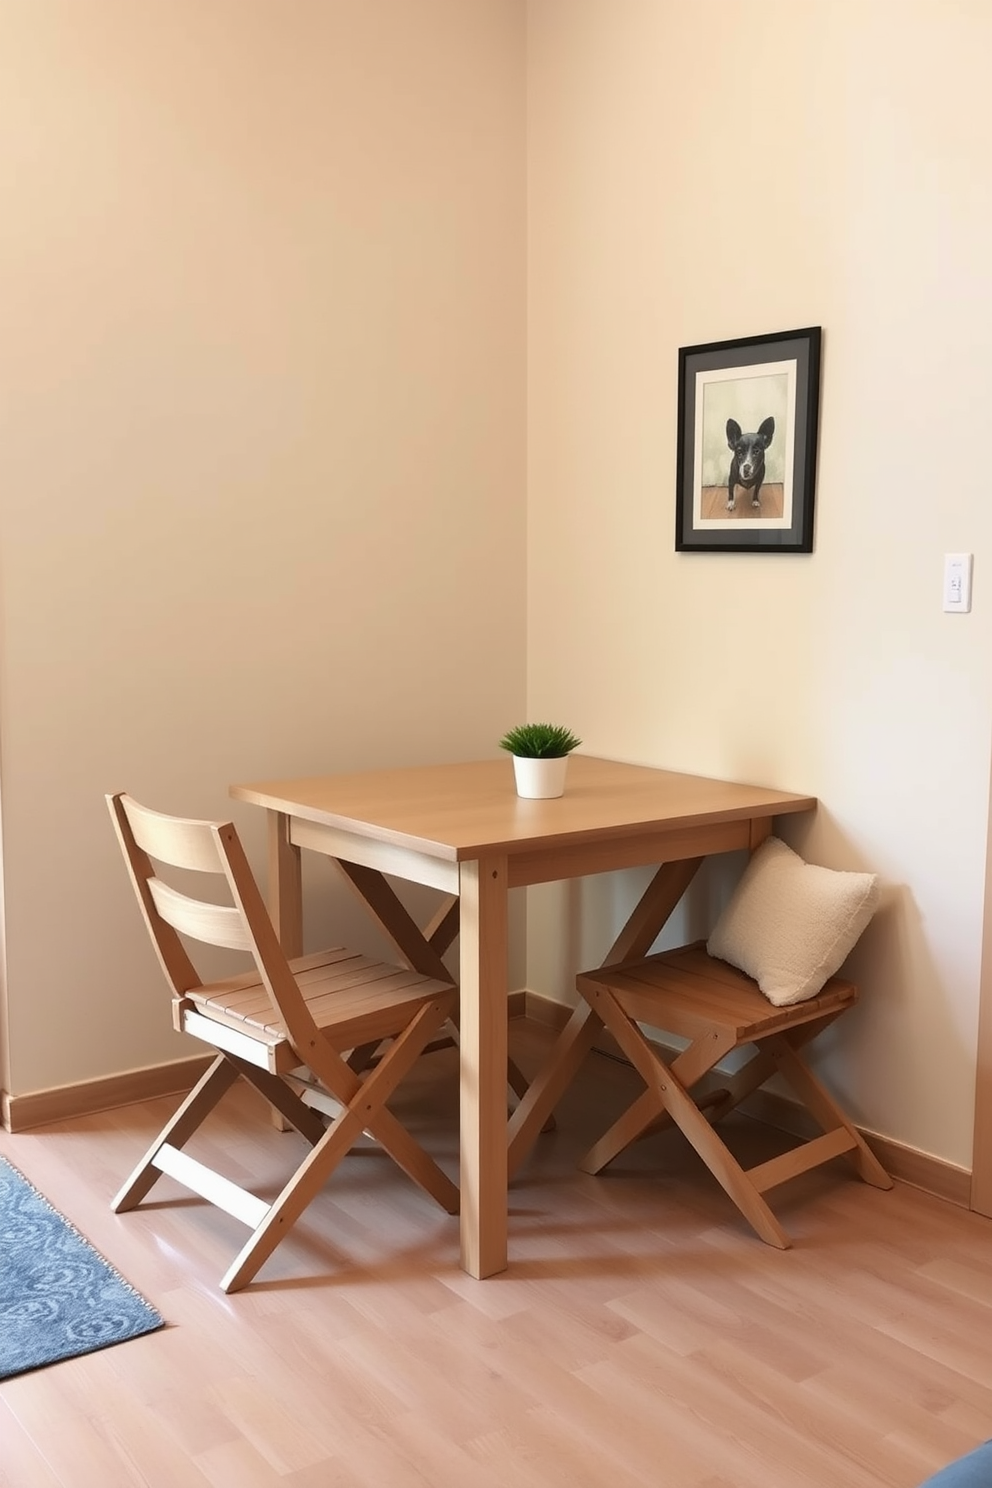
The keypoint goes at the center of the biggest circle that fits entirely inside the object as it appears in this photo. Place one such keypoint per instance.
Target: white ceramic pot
(540, 779)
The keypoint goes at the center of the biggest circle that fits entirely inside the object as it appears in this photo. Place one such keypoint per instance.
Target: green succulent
(539, 741)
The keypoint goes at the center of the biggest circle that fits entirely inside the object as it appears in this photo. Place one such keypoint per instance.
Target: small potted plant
(540, 758)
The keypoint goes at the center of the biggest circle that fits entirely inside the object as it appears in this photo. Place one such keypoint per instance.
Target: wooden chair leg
(415, 1162)
(359, 1059)
(366, 1111)
(376, 1086)
(201, 1100)
(294, 1113)
(304, 1186)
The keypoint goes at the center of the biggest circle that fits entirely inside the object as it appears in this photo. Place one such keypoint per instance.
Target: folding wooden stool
(693, 995)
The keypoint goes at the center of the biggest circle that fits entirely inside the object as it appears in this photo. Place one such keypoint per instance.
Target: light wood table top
(462, 811)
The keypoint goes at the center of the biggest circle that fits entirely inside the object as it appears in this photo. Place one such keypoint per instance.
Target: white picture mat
(752, 384)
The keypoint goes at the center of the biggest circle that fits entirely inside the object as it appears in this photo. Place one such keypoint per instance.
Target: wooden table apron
(475, 877)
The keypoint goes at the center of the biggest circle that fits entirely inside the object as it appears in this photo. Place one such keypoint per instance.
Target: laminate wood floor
(642, 1336)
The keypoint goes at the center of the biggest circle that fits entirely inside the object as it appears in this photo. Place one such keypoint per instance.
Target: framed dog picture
(747, 423)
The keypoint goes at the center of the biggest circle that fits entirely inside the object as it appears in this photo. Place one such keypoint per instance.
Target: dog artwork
(747, 464)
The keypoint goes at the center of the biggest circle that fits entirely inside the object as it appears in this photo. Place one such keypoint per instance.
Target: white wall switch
(957, 583)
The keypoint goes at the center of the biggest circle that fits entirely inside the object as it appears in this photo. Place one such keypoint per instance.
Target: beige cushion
(790, 925)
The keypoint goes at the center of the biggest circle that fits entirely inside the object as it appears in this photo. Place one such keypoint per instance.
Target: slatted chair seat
(353, 999)
(300, 1032)
(695, 996)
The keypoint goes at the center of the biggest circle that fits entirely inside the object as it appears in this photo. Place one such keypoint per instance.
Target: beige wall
(262, 481)
(262, 494)
(728, 168)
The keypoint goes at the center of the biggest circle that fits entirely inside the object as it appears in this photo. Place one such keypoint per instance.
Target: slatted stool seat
(718, 1009)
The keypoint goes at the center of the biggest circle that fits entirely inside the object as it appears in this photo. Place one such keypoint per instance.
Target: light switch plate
(957, 583)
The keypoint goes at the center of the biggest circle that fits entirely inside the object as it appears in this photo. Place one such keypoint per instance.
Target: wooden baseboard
(62, 1102)
(42, 1107)
(545, 1012)
(932, 1174)
(920, 1169)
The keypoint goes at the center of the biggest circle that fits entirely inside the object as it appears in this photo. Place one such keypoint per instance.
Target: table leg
(483, 1053)
(285, 902)
(285, 885)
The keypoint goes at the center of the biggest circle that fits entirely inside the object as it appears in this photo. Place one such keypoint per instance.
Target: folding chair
(279, 1021)
(695, 996)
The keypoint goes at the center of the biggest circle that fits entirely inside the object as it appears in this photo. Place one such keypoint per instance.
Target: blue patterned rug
(58, 1297)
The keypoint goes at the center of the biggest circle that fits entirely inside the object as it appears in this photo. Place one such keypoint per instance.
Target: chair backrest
(244, 925)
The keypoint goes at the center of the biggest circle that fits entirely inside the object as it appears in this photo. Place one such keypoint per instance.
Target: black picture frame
(761, 383)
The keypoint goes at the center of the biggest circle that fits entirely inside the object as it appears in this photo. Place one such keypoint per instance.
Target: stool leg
(626, 1129)
(669, 1093)
(824, 1108)
(721, 1163)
